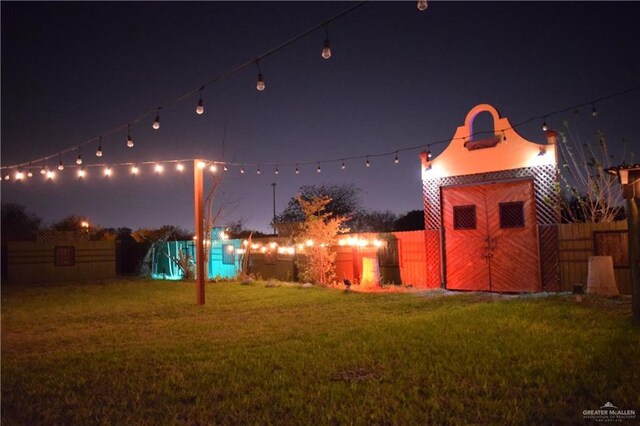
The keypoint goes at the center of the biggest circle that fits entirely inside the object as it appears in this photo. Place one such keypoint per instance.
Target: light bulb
(202, 165)
(544, 126)
(159, 168)
(107, 172)
(396, 160)
(99, 151)
(258, 171)
(343, 166)
(326, 50)
(7, 177)
(260, 84)
(319, 170)
(81, 173)
(213, 168)
(79, 159)
(156, 122)
(429, 154)
(19, 175)
(242, 170)
(134, 170)
(297, 170)
(367, 163)
(277, 171)
(200, 107)
(129, 141)
(29, 173)
(594, 111)
(51, 174)
(422, 5)
(179, 167)
(60, 166)
(43, 171)
(225, 168)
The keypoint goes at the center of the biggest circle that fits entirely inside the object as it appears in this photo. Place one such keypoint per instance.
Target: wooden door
(490, 237)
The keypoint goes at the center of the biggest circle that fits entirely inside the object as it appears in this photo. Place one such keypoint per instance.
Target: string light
(159, 168)
(429, 154)
(99, 151)
(277, 171)
(594, 111)
(544, 124)
(225, 168)
(200, 106)
(396, 160)
(213, 168)
(60, 165)
(179, 167)
(422, 5)
(42, 169)
(343, 166)
(19, 175)
(297, 170)
(367, 163)
(81, 172)
(258, 171)
(7, 176)
(129, 138)
(79, 159)
(319, 170)
(202, 165)
(29, 173)
(326, 49)
(260, 84)
(51, 174)
(134, 170)
(242, 169)
(156, 122)
(107, 171)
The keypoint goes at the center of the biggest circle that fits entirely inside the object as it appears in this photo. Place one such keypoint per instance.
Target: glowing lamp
(260, 84)
(84, 224)
(79, 160)
(309, 243)
(60, 166)
(43, 171)
(19, 175)
(213, 168)
(263, 249)
(273, 245)
(179, 167)
(422, 5)
(81, 173)
(29, 174)
(201, 165)
(156, 122)
(200, 107)
(107, 171)
(230, 248)
(326, 50)
(159, 168)
(51, 174)
(134, 170)
(245, 243)
(7, 177)
(129, 141)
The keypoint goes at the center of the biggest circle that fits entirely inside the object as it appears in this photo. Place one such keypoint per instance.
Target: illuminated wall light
(422, 5)
(158, 168)
(200, 106)
(156, 122)
(99, 150)
(213, 168)
(134, 170)
(326, 49)
(129, 138)
(396, 160)
(202, 165)
(260, 84)
(107, 171)
(180, 167)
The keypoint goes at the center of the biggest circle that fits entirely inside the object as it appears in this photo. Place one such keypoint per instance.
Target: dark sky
(398, 78)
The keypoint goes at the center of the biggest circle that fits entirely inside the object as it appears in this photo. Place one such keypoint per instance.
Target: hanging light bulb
(260, 84)
(51, 174)
(107, 171)
(544, 125)
(179, 167)
(297, 170)
(200, 106)
(19, 175)
(202, 165)
(134, 170)
(343, 166)
(43, 170)
(156, 122)
(242, 169)
(7, 176)
(429, 154)
(99, 151)
(81, 172)
(79, 159)
(213, 168)
(422, 5)
(158, 168)
(225, 168)
(60, 165)
(277, 171)
(396, 160)
(29, 173)
(367, 163)
(129, 138)
(258, 171)
(319, 170)
(326, 49)
(594, 111)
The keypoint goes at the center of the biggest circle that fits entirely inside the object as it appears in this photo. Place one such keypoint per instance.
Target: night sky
(397, 78)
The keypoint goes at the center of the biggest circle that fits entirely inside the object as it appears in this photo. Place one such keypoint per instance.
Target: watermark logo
(609, 413)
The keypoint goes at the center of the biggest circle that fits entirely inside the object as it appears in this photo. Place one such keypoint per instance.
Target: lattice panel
(512, 215)
(434, 274)
(544, 181)
(549, 255)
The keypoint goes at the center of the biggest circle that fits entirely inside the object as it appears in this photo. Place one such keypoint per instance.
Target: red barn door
(490, 237)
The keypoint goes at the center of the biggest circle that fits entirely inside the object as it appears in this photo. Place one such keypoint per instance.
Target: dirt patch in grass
(356, 374)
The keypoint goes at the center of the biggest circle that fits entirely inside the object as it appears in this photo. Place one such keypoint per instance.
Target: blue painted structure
(223, 257)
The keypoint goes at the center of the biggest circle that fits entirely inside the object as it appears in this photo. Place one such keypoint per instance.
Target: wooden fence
(578, 241)
(45, 261)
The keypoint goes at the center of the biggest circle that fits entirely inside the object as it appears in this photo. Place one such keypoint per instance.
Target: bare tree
(589, 193)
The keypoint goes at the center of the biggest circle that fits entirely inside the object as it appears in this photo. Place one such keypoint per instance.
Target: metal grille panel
(464, 217)
(548, 238)
(512, 215)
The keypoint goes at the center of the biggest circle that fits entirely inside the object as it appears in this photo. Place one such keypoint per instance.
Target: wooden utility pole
(198, 207)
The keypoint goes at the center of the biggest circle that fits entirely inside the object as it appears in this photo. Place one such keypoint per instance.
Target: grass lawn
(136, 352)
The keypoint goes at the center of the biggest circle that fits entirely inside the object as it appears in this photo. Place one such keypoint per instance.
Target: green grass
(141, 352)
